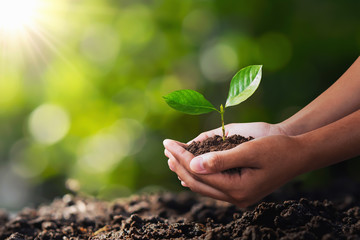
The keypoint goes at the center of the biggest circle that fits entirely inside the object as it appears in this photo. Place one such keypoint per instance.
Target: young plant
(242, 86)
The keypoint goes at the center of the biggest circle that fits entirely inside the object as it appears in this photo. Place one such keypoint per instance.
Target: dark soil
(216, 143)
(188, 216)
(184, 216)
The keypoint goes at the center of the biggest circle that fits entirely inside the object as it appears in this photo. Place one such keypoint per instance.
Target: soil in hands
(216, 143)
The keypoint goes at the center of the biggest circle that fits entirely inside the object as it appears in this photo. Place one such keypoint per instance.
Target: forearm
(331, 144)
(341, 99)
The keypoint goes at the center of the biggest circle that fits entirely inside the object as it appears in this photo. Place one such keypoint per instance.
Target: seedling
(242, 86)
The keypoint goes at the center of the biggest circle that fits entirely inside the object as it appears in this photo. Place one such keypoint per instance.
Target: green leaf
(244, 84)
(189, 101)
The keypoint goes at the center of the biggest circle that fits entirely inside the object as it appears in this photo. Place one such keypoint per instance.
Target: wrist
(283, 128)
(306, 161)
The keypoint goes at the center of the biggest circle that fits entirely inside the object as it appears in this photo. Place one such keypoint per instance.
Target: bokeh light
(49, 123)
(135, 26)
(198, 25)
(28, 160)
(101, 152)
(14, 190)
(218, 61)
(101, 44)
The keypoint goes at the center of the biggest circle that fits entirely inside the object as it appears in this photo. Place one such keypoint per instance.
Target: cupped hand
(254, 129)
(266, 163)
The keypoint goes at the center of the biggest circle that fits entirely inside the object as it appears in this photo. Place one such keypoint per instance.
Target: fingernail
(165, 142)
(197, 165)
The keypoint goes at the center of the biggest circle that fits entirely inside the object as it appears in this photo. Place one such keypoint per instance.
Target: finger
(205, 135)
(167, 141)
(195, 185)
(178, 152)
(215, 162)
(184, 184)
(170, 165)
(171, 168)
(167, 153)
(183, 158)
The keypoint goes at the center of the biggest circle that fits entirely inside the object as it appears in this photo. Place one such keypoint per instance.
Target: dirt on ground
(332, 213)
(183, 216)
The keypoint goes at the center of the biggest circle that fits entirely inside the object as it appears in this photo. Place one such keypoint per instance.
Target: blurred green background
(81, 87)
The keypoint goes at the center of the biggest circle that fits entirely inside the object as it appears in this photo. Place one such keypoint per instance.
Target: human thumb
(214, 162)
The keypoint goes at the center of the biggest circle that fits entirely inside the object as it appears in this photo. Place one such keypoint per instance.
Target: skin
(323, 133)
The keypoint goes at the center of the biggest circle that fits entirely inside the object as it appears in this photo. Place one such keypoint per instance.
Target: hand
(266, 163)
(255, 129)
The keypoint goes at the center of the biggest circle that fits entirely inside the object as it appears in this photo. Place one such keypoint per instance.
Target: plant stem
(222, 110)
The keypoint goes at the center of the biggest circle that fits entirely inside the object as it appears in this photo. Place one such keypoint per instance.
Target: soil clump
(216, 143)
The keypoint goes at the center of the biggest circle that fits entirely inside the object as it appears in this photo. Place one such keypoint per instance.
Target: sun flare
(25, 36)
(16, 15)
(33, 31)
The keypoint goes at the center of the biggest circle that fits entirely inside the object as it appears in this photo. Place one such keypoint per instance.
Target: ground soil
(184, 216)
(217, 143)
(331, 213)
